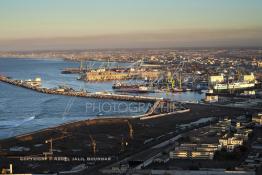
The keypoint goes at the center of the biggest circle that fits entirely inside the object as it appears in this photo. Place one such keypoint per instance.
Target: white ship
(237, 85)
(246, 82)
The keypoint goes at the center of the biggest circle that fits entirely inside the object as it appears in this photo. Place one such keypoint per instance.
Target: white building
(230, 143)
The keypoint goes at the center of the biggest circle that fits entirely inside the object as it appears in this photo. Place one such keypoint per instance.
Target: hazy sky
(66, 24)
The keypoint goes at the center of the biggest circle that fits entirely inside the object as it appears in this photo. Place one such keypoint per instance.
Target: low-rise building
(257, 119)
(216, 79)
(194, 151)
(230, 143)
(249, 78)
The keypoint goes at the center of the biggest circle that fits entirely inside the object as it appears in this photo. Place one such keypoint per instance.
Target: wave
(27, 119)
(15, 123)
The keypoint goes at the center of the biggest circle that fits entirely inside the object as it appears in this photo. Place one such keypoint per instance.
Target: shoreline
(65, 125)
(146, 116)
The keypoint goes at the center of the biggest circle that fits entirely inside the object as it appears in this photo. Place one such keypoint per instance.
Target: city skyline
(40, 25)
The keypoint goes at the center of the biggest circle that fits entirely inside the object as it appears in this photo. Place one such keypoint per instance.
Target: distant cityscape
(154, 55)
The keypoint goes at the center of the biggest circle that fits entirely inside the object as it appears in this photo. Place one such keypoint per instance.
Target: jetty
(72, 92)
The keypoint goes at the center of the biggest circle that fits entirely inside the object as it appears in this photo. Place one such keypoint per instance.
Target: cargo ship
(132, 88)
(232, 86)
(222, 84)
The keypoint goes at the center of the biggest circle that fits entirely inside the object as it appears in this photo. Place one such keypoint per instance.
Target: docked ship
(131, 88)
(219, 83)
(232, 86)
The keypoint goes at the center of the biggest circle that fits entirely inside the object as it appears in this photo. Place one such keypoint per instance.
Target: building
(194, 151)
(216, 79)
(257, 119)
(243, 134)
(249, 78)
(105, 75)
(230, 143)
(145, 74)
(152, 75)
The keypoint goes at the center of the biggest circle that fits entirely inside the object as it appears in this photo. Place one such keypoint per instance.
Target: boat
(174, 90)
(247, 82)
(131, 88)
(231, 86)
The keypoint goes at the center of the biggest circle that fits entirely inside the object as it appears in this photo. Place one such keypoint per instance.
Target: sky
(89, 24)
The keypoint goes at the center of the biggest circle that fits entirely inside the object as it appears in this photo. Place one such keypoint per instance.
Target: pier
(71, 92)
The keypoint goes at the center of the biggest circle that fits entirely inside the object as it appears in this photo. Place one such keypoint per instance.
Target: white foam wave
(16, 123)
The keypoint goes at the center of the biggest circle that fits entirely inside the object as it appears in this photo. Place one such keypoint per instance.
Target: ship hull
(235, 87)
(129, 90)
(132, 89)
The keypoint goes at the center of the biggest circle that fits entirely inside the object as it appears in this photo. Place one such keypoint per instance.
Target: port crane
(50, 151)
(131, 130)
(178, 73)
(173, 75)
(124, 144)
(93, 144)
